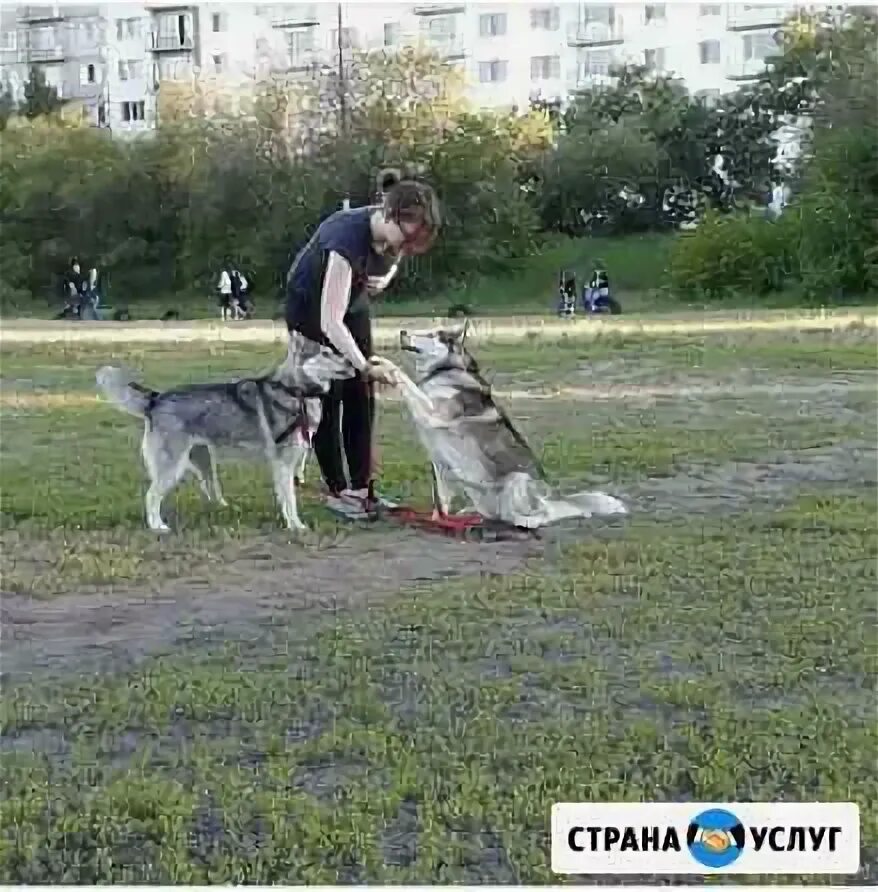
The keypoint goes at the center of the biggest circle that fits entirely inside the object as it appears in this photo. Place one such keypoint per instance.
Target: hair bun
(388, 178)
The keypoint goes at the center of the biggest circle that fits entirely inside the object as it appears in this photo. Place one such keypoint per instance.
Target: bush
(729, 254)
(839, 211)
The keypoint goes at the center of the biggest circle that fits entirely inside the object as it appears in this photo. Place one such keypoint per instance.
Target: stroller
(596, 296)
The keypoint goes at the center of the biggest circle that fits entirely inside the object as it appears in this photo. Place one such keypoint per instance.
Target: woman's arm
(334, 301)
(377, 284)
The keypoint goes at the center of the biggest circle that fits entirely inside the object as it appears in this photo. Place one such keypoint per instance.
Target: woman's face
(408, 237)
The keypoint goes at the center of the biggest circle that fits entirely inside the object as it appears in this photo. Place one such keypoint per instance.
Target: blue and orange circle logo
(716, 838)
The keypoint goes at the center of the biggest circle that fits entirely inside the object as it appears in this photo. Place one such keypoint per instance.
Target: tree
(597, 175)
(40, 98)
(8, 107)
(838, 200)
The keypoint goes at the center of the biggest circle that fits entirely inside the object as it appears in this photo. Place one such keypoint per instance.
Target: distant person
(780, 197)
(225, 290)
(241, 293)
(74, 282)
(75, 288)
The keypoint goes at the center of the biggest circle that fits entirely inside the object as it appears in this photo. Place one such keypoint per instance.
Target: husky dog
(275, 415)
(473, 445)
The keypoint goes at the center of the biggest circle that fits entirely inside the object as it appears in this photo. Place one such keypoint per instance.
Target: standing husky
(473, 445)
(275, 414)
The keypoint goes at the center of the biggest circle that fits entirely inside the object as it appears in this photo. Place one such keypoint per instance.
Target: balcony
(745, 70)
(594, 73)
(168, 43)
(439, 8)
(306, 60)
(587, 81)
(743, 17)
(294, 15)
(36, 14)
(595, 32)
(451, 47)
(42, 55)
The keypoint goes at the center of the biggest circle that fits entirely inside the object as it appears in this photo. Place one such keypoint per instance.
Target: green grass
(723, 655)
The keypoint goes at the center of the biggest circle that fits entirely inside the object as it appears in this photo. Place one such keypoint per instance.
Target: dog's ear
(457, 334)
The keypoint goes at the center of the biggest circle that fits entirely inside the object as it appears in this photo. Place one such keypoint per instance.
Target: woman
(353, 256)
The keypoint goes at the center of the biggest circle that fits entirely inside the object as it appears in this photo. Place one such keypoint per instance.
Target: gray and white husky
(274, 415)
(474, 447)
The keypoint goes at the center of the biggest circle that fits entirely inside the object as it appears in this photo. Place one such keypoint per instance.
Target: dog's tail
(596, 503)
(126, 394)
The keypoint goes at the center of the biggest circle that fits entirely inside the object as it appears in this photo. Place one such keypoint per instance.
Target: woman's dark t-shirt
(348, 233)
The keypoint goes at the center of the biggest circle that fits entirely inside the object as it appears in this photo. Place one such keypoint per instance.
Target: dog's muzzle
(405, 342)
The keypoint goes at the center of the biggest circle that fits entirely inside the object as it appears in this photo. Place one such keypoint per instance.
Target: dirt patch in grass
(262, 582)
(267, 579)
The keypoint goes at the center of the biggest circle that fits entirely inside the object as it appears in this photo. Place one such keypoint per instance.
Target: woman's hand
(381, 371)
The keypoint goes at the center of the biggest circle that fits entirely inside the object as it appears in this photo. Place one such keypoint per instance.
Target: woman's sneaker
(355, 504)
(351, 504)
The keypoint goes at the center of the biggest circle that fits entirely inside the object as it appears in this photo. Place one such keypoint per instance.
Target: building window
(596, 62)
(709, 52)
(492, 72)
(710, 98)
(654, 60)
(544, 68)
(655, 12)
(348, 38)
(299, 46)
(758, 46)
(7, 40)
(123, 70)
(88, 75)
(705, 9)
(441, 27)
(545, 19)
(391, 33)
(102, 115)
(217, 23)
(492, 25)
(127, 29)
(219, 64)
(133, 111)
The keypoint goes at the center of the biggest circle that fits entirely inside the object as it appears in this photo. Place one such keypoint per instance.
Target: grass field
(229, 704)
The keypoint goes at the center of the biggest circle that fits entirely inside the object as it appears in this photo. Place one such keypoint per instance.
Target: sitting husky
(473, 445)
(275, 414)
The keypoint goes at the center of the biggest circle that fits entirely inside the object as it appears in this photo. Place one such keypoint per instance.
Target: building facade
(113, 59)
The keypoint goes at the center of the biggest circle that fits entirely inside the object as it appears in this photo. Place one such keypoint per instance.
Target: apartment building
(114, 58)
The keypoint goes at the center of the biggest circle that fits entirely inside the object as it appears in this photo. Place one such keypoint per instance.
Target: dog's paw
(163, 528)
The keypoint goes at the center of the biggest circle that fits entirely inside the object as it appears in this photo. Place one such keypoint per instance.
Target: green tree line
(159, 214)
